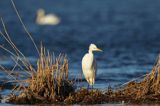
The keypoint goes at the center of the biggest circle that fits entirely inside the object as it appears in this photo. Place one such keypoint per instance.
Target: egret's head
(40, 12)
(93, 47)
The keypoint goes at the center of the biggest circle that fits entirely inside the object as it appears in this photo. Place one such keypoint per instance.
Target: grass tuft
(49, 84)
(86, 96)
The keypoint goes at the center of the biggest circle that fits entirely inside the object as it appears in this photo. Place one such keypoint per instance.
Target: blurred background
(128, 32)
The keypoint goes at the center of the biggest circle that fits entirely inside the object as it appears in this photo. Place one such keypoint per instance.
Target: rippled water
(126, 30)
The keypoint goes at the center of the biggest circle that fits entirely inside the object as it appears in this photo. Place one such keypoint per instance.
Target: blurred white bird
(49, 19)
(89, 65)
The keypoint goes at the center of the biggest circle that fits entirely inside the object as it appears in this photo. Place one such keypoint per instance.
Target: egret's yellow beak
(99, 50)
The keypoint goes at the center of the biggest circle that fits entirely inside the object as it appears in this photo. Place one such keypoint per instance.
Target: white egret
(89, 66)
(49, 19)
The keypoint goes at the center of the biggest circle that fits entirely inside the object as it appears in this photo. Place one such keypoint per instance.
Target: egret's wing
(95, 66)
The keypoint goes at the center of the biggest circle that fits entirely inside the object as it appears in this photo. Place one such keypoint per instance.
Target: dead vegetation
(86, 96)
(46, 83)
(146, 90)
(49, 84)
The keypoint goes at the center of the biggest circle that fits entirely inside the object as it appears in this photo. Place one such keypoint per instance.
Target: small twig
(7, 72)
(12, 70)
(18, 52)
(30, 36)
(133, 80)
(20, 65)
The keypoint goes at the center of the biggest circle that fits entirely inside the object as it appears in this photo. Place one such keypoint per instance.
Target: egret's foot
(90, 88)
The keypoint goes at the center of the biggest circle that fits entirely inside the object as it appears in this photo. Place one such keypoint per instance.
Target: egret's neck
(41, 14)
(90, 51)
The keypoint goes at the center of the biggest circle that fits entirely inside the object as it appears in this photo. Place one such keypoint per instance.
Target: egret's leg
(92, 82)
(88, 86)
(88, 83)
(92, 90)
(92, 87)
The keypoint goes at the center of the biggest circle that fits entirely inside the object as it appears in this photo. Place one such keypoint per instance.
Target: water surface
(126, 30)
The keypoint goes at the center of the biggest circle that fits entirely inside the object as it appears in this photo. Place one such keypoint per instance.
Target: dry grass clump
(49, 84)
(86, 96)
(145, 91)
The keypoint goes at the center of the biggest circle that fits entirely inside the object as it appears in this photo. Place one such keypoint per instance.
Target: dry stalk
(145, 89)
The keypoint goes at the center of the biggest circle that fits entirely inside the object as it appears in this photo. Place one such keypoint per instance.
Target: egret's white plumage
(49, 19)
(89, 65)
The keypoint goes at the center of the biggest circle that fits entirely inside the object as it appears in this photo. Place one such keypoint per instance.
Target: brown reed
(49, 84)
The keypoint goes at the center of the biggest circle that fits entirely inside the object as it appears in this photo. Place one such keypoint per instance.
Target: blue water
(128, 31)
